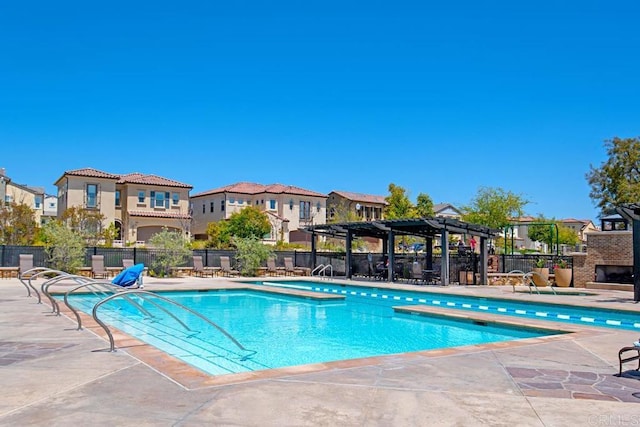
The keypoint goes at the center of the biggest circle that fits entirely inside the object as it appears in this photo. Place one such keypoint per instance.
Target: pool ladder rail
(321, 271)
(147, 297)
(527, 280)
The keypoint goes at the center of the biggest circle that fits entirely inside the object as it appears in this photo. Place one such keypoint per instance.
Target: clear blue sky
(437, 97)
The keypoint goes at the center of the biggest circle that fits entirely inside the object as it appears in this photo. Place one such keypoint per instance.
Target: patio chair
(272, 269)
(290, 269)
(26, 263)
(225, 267)
(416, 274)
(98, 270)
(126, 263)
(200, 270)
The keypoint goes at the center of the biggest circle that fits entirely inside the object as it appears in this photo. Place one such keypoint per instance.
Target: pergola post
(428, 248)
(313, 250)
(392, 260)
(444, 266)
(348, 268)
(484, 277)
(636, 259)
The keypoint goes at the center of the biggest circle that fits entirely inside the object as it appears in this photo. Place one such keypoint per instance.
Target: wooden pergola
(388, 230)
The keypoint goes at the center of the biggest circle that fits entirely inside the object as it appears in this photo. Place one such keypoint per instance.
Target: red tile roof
(138, 178)
(359, 197)
(158, 214)
(253, 188)
(90, 173)
(131, 178)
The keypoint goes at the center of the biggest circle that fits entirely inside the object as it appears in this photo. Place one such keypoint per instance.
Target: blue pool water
(288, 331)
(555, 312)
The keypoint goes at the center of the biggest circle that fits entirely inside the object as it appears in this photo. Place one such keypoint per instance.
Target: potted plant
(541, 272)
(562, 273)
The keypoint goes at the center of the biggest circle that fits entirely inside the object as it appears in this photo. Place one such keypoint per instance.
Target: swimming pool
(281, 331)
(555, 312)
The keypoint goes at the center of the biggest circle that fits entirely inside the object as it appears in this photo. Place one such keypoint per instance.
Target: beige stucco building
(12, 192)
(289, 208)
(139, 205)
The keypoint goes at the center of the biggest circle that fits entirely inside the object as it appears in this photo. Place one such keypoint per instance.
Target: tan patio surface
(51, 375)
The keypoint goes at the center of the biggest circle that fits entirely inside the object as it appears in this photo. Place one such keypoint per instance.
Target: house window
(305, 210)
(175, 199)
(222, 205)
(232, 200)
(141, 196)
(240, 201)
(38, 202)
(211, 207)
(204, 208)
(272, 204)
(290, 204)
(318, 207)
(92, 195)
(160, 199)
(117, 197)
(332, 212)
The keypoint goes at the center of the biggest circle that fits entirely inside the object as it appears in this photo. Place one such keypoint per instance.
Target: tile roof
(359, 197)
(253, 188)
(154, 214)
(131, 178)
(138, 178)
(91, 173)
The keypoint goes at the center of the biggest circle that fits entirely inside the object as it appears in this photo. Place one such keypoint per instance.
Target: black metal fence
(362, 263)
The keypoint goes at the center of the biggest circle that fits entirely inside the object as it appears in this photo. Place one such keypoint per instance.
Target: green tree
(398, 204)
(616, 181)
(17, 225)
(88, 224)
(64, 248)
(341, 213)
(494, 207)
(249, 222)
(172, 251)
(251, 254)
(552, 232)
(218, 235)
(424, 206)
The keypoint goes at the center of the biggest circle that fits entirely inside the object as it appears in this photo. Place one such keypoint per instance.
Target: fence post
(4, 248)
(134, 255)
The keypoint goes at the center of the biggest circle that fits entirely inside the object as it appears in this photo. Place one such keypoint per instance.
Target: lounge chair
(98, 271)
(126, 263)
(225, 267)
(290, 269)
(272, 269)
(200, 270)
(130, 277)
(26, 263)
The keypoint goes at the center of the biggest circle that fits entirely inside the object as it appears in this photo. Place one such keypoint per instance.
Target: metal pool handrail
(56, 280)
(143, 293)
(99, 288)
(34, 273)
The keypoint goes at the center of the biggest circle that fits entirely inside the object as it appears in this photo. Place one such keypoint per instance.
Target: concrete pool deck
(51, 375)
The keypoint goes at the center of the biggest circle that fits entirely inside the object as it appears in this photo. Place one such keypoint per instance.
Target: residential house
(289, 208)
(446, 210)
(580, 226)
(50, 208)
(345, 206)
(12, 192)
(139, 205)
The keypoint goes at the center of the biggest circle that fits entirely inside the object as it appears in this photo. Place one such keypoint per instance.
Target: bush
(251, 254)
(173, 251)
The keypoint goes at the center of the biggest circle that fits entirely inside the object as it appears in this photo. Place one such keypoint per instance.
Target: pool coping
(192, 378)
